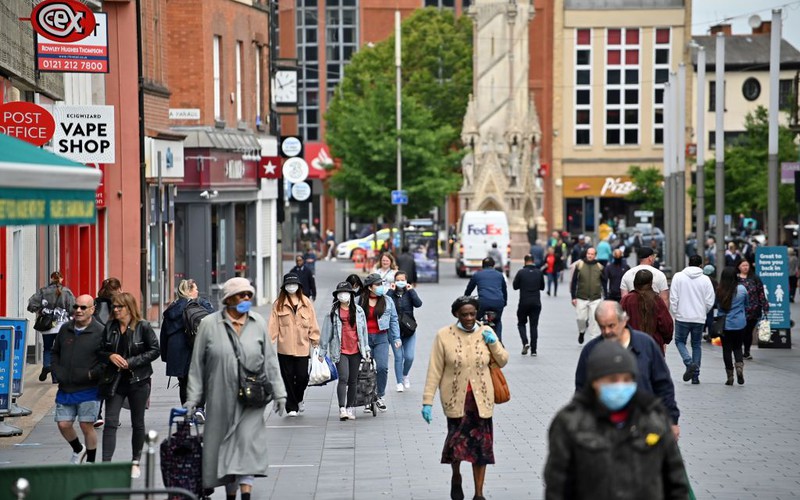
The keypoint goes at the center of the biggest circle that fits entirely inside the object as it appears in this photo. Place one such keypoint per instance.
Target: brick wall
(191, 27)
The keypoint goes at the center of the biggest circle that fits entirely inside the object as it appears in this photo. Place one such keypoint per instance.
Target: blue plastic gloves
(489, 337)
(427, 413)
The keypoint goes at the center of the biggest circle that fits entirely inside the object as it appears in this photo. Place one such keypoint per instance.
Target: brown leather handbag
(501, 392)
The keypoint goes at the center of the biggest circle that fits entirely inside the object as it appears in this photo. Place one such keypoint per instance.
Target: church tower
(501, 127)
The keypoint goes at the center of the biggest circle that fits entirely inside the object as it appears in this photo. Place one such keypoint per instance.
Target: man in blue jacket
(654, 376)
(492, 292)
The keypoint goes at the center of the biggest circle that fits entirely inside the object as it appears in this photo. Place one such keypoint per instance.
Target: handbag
(501, 391)
(332, 368)
(255, 390)
(764, 330)
(45, 321)
(717, 326)
(107, 388)
(408, 325)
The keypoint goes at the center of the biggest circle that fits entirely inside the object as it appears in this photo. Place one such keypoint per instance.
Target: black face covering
(618, 260)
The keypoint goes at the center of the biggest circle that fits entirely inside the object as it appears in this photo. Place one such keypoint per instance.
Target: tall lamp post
(398, 62)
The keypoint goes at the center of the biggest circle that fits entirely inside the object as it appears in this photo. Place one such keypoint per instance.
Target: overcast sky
(706, 13)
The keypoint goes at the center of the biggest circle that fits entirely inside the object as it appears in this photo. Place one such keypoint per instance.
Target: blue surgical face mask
(400, 284)
(474, 327)
(244, 306)
(617, 396)
(379, 290)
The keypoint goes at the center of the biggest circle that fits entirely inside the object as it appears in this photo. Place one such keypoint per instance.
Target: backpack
(193, 313)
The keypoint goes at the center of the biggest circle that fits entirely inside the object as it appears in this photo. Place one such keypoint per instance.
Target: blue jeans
(379, 343)
(48, 339)
(682, 332)
(552, 279)
(404, 357)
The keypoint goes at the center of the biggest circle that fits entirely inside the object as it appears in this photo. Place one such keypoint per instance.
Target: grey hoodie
(691, 295)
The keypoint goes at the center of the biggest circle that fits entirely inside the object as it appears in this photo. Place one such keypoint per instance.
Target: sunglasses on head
(82, 308)
(117, 306)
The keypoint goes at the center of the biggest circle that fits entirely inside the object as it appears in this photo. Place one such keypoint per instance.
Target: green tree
(746, 171)
(437, 80)
(649, 192)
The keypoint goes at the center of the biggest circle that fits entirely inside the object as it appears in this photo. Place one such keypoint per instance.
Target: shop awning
(38, 187)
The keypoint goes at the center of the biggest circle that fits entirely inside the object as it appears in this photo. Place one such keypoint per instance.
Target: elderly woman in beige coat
(293, 325)
(234, 450)
(459, 368)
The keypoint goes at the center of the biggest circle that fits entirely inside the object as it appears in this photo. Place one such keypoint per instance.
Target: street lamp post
(399, 112)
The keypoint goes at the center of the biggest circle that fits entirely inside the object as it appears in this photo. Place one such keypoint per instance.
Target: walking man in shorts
(78, 368)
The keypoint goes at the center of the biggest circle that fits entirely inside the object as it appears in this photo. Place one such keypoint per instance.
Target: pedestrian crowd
(619, 432)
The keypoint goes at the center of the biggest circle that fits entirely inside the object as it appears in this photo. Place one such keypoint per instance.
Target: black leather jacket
(142, 348)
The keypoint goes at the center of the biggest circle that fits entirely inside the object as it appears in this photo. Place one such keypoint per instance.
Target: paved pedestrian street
(738, 442)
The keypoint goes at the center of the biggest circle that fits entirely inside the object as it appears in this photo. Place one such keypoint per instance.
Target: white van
(477, 231)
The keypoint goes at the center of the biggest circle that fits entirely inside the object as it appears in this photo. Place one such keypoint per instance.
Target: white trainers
(381, 404)
(136, 471)
(301, 406)
(400, 388)
(368, 409)
(407, 382)
(343, 415)
(351, 413)
(77, 458)
(292, 414)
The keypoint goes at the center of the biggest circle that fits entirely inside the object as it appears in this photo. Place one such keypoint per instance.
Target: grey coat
(330, 342)
(233, 440)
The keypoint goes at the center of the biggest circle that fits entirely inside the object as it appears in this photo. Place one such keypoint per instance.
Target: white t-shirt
(659, 279)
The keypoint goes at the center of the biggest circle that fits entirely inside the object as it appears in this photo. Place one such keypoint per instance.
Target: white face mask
(343, 297)
(291, 289)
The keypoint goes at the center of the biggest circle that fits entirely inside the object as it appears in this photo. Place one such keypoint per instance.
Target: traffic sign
(643, 213)
(295, 170)
(399, 197)
(291, 146)
(301, 191)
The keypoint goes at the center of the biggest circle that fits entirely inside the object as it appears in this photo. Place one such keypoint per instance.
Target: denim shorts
(85, 412)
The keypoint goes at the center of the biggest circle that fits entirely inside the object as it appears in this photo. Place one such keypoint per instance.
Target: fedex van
(477, 231)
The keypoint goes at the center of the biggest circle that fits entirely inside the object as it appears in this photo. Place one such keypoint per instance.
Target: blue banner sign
(6, 357)
(20, 326)
(772, 266)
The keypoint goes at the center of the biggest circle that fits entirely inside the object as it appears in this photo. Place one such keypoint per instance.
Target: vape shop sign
(85, 133)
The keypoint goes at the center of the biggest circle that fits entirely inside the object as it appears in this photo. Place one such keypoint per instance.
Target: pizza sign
(62, 20)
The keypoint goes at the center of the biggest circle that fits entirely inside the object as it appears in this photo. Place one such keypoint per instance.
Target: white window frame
(239, 50)
(215, 64)
(660, 86)
(622, 126)
(582, 107)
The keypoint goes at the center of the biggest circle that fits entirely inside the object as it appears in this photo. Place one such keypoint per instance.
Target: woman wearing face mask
(57, 300)
(232, 454)
(383, 328)
(344, 339)
(613, 438)
(293, 325)
(460, 357)
(356, 283)
(405, 299)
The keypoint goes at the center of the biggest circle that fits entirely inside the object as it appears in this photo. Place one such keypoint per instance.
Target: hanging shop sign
(85, 133)
(88, 55)
(62, 20)
(27, 121)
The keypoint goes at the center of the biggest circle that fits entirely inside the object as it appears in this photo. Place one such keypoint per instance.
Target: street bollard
(150, 466)
(21, 488)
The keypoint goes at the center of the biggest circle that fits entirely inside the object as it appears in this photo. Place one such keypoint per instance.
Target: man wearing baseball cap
(613, 440)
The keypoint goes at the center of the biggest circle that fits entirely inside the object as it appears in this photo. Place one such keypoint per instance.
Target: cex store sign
(62, 20)
(27, 121)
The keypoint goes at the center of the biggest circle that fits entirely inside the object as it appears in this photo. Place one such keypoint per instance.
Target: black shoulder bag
(255, 390)
(45, 321)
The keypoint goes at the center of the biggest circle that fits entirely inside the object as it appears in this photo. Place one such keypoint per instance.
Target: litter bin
(781, 339)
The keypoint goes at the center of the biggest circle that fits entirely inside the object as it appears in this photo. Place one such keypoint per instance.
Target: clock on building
(285, 87)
